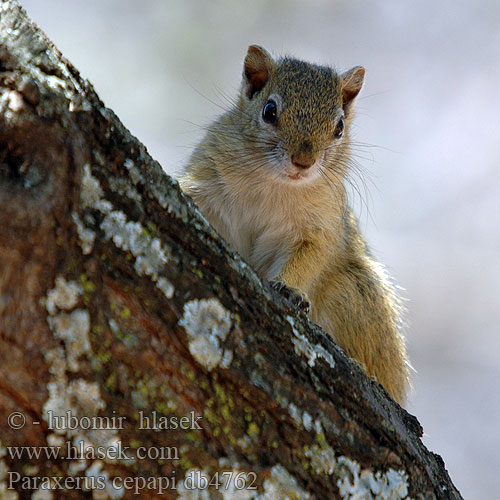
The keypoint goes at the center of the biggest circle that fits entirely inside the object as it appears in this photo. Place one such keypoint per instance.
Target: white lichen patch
(31, 470)
(86, 236)
(63, 296)
(295, 413)
(307, 421)
(56, 83)
(355, 483)
(148, 251)
(206, 351)
(244, 442)
(303, 419)
(72, 405)
(56, 360)
(133, 237)
(42, 494)
(318, 428)
(323, 459)
(123, 188)
(77, 398)
(207, 324)
(311, 351)
(77, 466)
(166, 287)
(133, 172)
(55, 440)
(86, 397)
(206, 317)
(5, 493)
(91, 192)
(282, 485)
(233, 490)
(73, 328)
(15, 101)
(109, 491)
(227, 358)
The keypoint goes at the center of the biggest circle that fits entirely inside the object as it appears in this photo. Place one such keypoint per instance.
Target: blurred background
(429, 118)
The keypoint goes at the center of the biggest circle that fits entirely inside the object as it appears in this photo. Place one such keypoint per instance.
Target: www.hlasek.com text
(82, 451)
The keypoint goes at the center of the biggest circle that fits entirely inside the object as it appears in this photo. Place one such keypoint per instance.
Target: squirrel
(269, 175)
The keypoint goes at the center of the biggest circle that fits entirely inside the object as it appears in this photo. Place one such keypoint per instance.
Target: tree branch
(116, 298)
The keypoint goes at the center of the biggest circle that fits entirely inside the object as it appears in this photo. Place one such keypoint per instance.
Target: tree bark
(119, 301)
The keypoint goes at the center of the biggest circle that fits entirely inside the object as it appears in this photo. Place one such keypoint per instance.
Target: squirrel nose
(303, 160)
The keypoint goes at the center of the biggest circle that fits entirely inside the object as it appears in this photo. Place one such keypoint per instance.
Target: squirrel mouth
(301, 175)
(296, 175)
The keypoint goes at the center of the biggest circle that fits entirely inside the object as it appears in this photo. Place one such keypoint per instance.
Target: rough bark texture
(117, 297)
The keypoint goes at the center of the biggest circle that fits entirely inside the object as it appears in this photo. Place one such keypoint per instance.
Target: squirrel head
(299, 112)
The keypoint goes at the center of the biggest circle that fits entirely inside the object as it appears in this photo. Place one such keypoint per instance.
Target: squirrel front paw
(297, 297)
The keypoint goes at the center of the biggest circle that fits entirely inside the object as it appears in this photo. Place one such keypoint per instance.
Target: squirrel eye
(339, 129)
(270, 112)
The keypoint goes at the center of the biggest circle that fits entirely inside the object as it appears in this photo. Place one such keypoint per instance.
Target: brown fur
(299, 229)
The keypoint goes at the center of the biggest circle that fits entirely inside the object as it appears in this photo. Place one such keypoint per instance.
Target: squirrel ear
(352, 81)
(257, 69)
